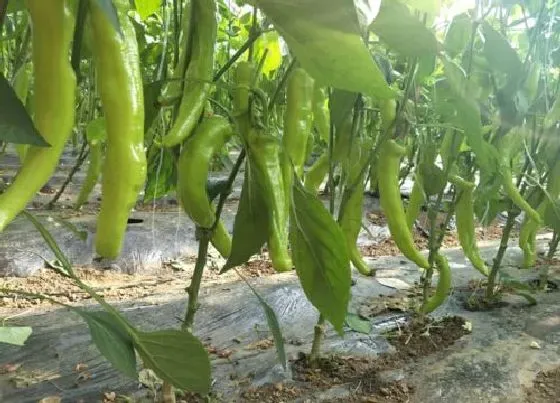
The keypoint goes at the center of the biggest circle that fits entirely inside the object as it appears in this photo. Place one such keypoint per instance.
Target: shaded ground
(546, 387)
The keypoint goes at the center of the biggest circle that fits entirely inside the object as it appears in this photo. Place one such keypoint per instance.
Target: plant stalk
(500, 255)
(317, 339)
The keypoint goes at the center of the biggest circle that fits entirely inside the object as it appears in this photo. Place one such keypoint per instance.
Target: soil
(364, 377)
(546, 388)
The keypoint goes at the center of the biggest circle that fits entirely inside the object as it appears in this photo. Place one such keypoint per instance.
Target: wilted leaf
(320, 255)
(16, 335)
(177, 357)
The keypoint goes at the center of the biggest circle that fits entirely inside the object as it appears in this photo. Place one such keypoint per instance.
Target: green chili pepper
(21, 88)
(198, 76)
(173, 89)
(443, 286)
(96, 135)
(464, 216)
(120, 88)
(298, 119)
(350, 214)
(390, 154)
(264, 152)
(415, 202)
(321, 114)
(244, 75)
(54, 88)
(504, 148)
(192, 175)
(529, 228)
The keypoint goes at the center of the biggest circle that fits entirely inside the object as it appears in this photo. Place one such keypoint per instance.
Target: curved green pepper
(96, 135)
(464, 216)
(443, 286)
(54, 96)
(298, 119)
(244, 74)
(192, 175)
(121, 91)
(350, 214)
(388, 168)
(198, 76)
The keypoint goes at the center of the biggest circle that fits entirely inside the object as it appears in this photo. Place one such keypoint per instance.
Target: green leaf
(431, 7)
(324, 37)
(60, 256)
(162, 173)
(402, 31)
(458, 34)
(250, 229)
(96, 131)
(16, 335)
(320, 255)
(357, 324)
(111, 13)
(177, 357)
(269, 42)
(340, 105)
(15, 124)
(436, 181)
(114, 342)
(499, 53)
(273, 325)
(147, 7)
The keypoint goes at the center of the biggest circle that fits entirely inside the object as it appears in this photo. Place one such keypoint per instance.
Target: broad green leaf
(250, 229)
(60, 256)
(269, 42)
(114, 342)
(431, 7)
(16, 335)
(340, 105)
(15, 124)
(402, 31)
(324, 35)
(177, 357)
(320, 255)
(96, 131)
(357, 324)
(273, 325)
(162, 173)
(499, 53)
(458, 34)
(147, 7)
(111, 13)
(437, 178)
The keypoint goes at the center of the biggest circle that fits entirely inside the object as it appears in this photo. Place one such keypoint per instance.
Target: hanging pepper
(464, 216)
(443, 285)
(192, 175)
(529, 228)
(504, 148)
(21, 88)
(96, 134)
(54, 87)
(388, 168)
(321, 114)
(350, 214)
(415, 201)
(244, 74)
(120, 87)
(173, 88)
(264, 152)
(298, 119)
(198, 76)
